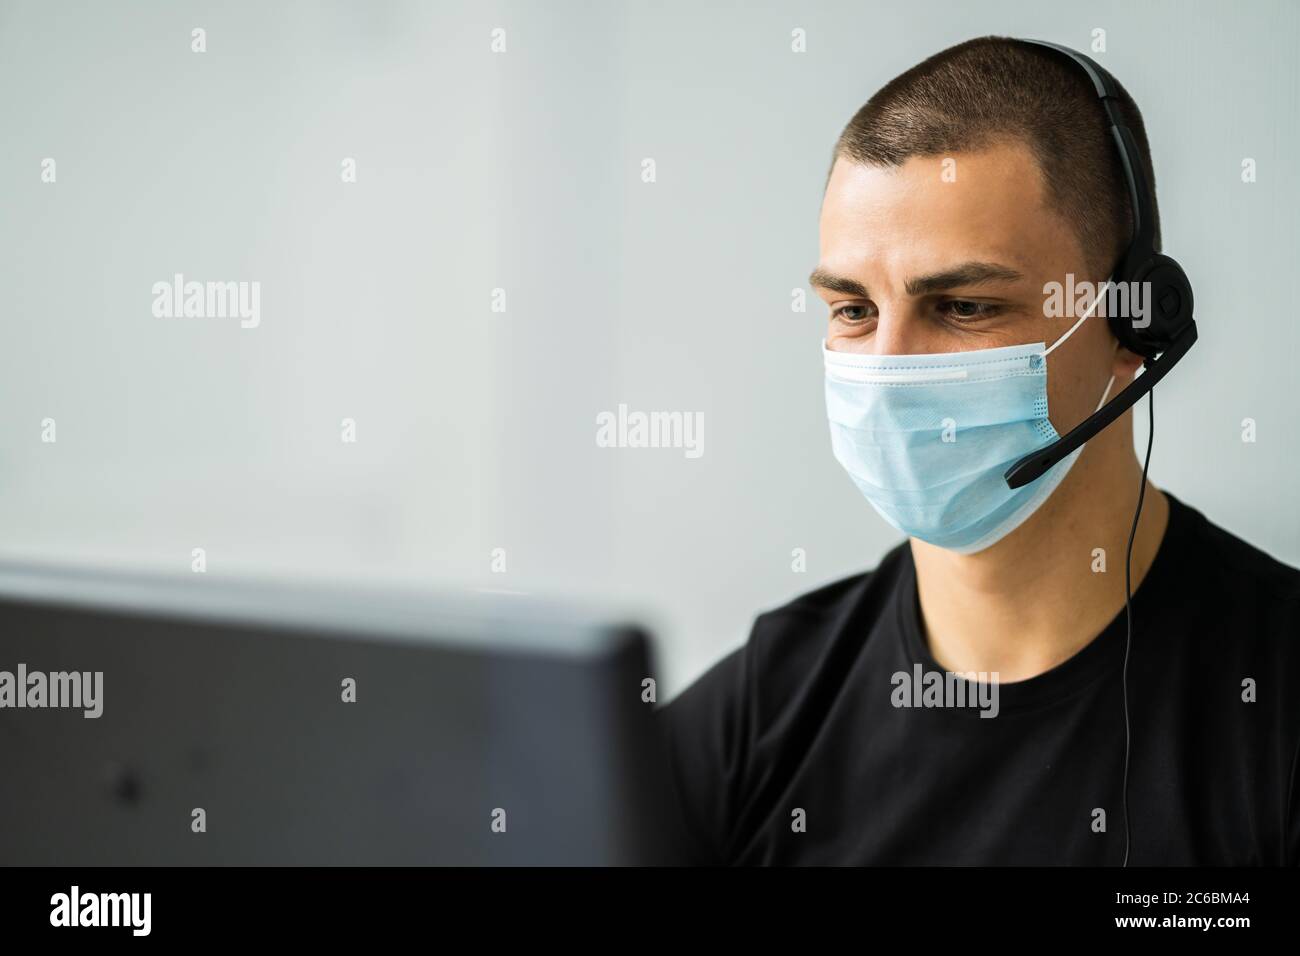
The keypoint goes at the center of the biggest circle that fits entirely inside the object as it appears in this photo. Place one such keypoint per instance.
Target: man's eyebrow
(821, 279)
(966, 274)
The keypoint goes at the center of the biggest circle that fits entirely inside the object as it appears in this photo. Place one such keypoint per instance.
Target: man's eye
(964, 309)
(850, 313)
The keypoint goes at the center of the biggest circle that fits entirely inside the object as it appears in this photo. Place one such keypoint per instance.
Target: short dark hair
(993, 89)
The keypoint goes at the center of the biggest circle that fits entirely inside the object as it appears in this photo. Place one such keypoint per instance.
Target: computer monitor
(283, 724)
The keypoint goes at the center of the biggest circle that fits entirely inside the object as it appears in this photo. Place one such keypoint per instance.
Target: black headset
(1168, 329)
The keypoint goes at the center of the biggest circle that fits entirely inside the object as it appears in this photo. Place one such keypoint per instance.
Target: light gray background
(522, 171)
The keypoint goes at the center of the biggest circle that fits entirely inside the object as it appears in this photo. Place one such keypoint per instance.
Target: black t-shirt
(791, 749)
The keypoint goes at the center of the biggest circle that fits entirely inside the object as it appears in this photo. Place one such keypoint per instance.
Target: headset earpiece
(1167, 303)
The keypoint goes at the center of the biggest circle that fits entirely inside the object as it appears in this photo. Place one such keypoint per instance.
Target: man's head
(958, 192)
(998, 89)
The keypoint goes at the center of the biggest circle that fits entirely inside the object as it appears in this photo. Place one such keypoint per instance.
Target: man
(959, 194)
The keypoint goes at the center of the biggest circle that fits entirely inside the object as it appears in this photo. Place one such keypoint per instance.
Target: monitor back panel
(239, 743)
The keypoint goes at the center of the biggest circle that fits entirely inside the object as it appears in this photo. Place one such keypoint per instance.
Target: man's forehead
(1002, 178)
(983, 205)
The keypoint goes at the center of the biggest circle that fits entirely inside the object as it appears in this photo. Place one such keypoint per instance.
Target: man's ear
(1125, 363)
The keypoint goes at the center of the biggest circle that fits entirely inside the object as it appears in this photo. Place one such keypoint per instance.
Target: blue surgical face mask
(926, 438)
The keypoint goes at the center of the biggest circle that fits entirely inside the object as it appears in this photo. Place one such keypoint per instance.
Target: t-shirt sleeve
(706, 735)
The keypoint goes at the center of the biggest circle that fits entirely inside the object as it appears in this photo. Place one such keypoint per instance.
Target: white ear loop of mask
(1070, 331)
(1095, 302)
(1105, 393)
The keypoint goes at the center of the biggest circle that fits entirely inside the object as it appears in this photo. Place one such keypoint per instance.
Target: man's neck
(1042, 593)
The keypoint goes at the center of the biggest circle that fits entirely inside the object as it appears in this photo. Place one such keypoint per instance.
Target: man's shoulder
(1233, 602)
(1226, 576)
(845, 595)
(1227, 559)
(717, 727)
(846, 604)
(785, 640)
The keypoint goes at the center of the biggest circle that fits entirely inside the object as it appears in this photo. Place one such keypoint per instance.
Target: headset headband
(1140, 246)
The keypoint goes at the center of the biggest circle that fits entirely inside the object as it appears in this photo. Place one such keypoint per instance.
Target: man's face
(913, 261)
